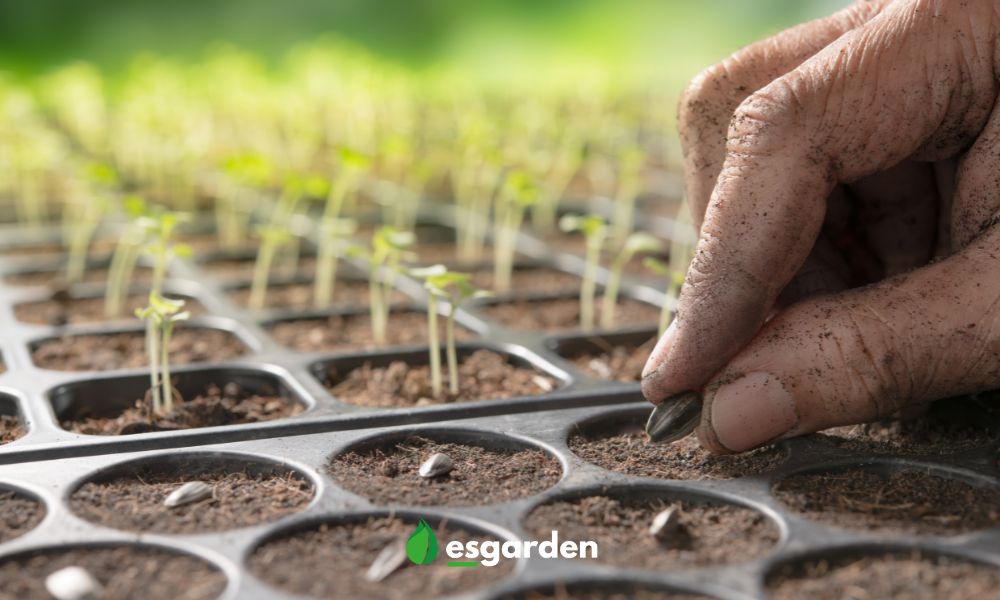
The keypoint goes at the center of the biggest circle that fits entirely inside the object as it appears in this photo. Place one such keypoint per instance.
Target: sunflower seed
(73, 583)
(675, 418)
(192, 491)
(542, 382)
(666, 523)
(388, 561)
(437, 464)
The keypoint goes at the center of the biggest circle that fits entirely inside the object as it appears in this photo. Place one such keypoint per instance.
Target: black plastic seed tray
(49, 463)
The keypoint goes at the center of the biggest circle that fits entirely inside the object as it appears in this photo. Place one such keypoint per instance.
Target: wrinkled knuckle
(766, 117)
(877, 359)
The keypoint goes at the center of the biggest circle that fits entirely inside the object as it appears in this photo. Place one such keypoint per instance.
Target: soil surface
(614, 362)
(241, 269)
(331, 561)
(952, 425)
(87, 310)
(483, 375)
(354, 332)
(124, 572)
(104, 352)
(624, 447)
(909, 502)
(134, 502)
(51, 277)
(10, 428)
(888, 577)
(388, 475)
(593, 591)
(346, 294)
(18, 515)
(564, 313)
(527, 280)
(102, 247)
(215, 406)
(709, 535)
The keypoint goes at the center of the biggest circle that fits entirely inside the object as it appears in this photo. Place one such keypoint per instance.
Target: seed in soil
(73, 583)
(601, 590)
(618, 443)
(388, 473)
(901, 502)
(210, 406)
(19, 514)
(123, 572)
(952, 425)
(86, 310)
(347, 293)
(354, 332)
(483, 375)
(612, 362)
(713, 534)
(560, 314)
(331, 560)
(109, 351)
(903, 576)
(239, 494)
(437, 465)
(666, 524)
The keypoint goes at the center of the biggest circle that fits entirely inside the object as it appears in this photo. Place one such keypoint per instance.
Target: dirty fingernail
(660, 351)
(752, 410)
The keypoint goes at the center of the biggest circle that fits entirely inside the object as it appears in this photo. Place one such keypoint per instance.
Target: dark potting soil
(241, 269)
(87, 310)
(103, 352)
(50, 277)
(625, 448)
(388, 474)
(215, 406)
(332, 559)
(909, 502)
(354, 332)
(346, 293)
(564, 313)
(615, 362)
(124, 572)
(952, 425)
(888, 577)
(10, 428)
(529, 280)
(601, 591)
(709, 535)
(18, 514)
(483, 375)
(134, 502)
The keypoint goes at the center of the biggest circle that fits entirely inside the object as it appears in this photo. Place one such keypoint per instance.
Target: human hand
(846, 151)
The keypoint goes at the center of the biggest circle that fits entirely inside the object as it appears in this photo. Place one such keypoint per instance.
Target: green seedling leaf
(588, 225)
(135, 206)
(422, 546)
(183, 251)
(101, 174)
(425, 272)
(521, 188)
(352, 159)
(388, 239)
(641, 241)
(657, 266)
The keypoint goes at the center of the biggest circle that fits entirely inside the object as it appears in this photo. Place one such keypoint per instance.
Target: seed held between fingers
(675, 418)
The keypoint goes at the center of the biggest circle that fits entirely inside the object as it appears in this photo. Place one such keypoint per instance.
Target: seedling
(331, 246)
(161, 315)
(595, 231)
(518, 194)
(161, 249)
(475, 176)
(85, 214)
(681, 252)
(564, 164)
(636, 243)
(629, 185)
(455, 288)
(389, 246)
(127, 250)
(244, 175)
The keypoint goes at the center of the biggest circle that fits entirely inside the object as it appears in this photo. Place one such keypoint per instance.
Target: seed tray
(49, 463)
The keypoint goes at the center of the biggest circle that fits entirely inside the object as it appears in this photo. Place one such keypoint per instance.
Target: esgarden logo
(422, 548)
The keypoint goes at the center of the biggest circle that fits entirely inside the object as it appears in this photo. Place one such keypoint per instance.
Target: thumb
(863, 355)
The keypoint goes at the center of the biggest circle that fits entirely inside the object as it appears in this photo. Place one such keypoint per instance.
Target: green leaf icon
(422, 546)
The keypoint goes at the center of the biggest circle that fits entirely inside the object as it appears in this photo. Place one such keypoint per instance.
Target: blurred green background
(669, 39)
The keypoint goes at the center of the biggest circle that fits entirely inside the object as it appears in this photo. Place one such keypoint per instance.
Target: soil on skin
(241, 269)
(909, 502)
(564, 313)
(952, 425)
(331, 561)
(346, 293)
(228, 405)
(103, 352)
(709, 535)
(388, 475)
(134, 502)
(615, 591)
(10, 428)
(887, 577)
(52, 277)
(354, 332)
(87, 310)
(483, 375)
(616, 362)
(124, 572)
(625, 448)
(18, 515)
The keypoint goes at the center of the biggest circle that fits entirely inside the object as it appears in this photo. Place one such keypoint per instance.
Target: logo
(422, 549)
